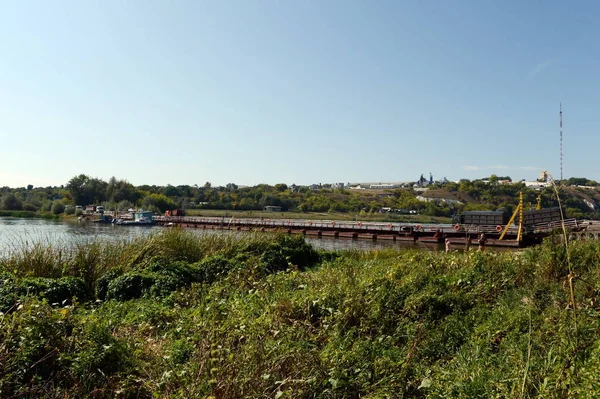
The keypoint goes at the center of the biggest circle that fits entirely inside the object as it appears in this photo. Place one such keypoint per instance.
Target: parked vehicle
(175, 212)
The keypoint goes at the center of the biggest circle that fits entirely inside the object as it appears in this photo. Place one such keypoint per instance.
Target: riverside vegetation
(580, 198)
(258, 316)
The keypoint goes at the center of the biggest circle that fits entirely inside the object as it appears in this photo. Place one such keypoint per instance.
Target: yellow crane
(518, 211)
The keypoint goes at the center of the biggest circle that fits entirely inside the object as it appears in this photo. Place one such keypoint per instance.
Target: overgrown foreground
(177, 316)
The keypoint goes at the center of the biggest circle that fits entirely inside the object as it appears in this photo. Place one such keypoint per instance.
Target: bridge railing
(365, 226)
(548, 226)
(283, 223)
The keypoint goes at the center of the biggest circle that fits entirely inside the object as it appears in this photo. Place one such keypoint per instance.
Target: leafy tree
(248, 204)
(160, 201)
(580, 181)
(281, 187)
(77, 188)
(85, 190)
(269, 200)
(124, 205)
(121, 190)
(171, 191)
(96, 190)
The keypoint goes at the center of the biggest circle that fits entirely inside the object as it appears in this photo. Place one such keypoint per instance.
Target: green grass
(263, 316)
(375, 217)
(28, 215)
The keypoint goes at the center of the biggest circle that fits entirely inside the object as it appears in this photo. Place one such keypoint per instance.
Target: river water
(16, 233)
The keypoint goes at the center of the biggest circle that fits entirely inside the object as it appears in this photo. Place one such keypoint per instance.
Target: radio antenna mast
(561, 144)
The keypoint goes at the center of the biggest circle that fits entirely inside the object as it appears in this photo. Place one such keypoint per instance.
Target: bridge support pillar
(374, 237)
(355, 236)
(336, 234)
(319, 234)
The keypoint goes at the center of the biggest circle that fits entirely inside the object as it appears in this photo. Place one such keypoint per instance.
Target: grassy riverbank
(373, 217)
(29, 215)
(175, 316)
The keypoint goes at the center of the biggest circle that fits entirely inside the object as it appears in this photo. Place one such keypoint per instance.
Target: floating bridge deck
(427, 233)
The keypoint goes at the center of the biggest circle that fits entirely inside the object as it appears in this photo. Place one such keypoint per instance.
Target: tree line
(485, 194)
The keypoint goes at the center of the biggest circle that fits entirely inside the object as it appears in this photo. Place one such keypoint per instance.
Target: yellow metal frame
(518, 211)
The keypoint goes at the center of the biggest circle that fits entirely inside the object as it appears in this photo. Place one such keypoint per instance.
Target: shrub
(214, 267)
(182, 270)
(30, 341)
(69, 210)
(287, 251)
(273, 260)
(11, 203)
(158, 279)
(8, 292)
(46, 206)
(29, 207)
(104, 281)
(181, 351)
(51, 353)
(56, 291)
(129, 286)
(58, 207)
(98, 353)
(298, 252)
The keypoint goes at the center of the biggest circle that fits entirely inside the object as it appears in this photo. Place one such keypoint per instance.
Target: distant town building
(544, 176)
(423, 182)
(338, 186)
(382, 186)
(536, 185)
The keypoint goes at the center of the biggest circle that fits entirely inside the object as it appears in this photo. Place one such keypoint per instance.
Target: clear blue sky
(306, 91)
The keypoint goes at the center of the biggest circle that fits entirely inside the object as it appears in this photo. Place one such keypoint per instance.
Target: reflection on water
(16, 233)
